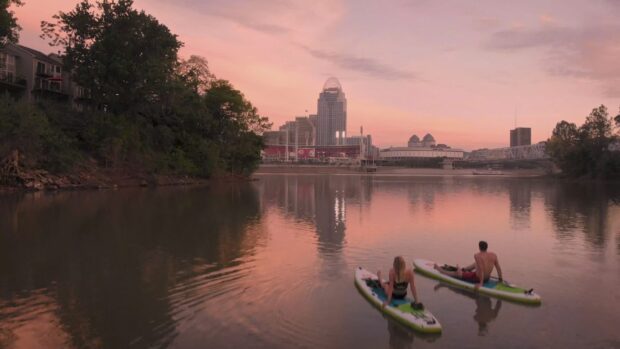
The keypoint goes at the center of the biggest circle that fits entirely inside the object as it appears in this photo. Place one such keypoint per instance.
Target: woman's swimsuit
(400, 290)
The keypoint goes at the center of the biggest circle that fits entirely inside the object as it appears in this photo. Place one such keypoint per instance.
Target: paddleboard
(492, 287)
(400, 309)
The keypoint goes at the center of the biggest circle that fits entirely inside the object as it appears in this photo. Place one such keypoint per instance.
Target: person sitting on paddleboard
(400, 278)
(480, 271)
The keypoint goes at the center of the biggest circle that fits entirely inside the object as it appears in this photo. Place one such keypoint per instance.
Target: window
(40, 68)
(7, 67)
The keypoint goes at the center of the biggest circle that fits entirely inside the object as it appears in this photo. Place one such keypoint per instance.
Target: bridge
(520, 156)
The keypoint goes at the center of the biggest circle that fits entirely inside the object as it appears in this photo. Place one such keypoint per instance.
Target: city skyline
(461, 72)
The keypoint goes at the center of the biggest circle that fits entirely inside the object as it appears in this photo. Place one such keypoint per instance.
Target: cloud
(364, 65)
(486, 23)
(275, 17)
(591, 52)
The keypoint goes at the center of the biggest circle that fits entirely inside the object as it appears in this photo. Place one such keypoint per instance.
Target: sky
(464, 71)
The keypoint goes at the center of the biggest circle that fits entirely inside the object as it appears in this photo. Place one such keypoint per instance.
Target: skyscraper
(332, 114)
(520, 136)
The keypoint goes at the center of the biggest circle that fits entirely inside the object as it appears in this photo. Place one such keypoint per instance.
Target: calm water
(269, 264)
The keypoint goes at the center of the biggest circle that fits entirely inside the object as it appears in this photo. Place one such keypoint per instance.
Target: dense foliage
(144, 107)
(9, 29)
(588, 150)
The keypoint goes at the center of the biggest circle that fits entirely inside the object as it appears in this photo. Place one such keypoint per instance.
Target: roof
(332, 84)
(415, 139)
(428, 138)
(40, 55)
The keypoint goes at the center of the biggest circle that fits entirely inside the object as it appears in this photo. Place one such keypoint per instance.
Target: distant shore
(265, 169)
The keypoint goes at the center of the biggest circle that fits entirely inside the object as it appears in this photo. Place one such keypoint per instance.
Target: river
(269, 264)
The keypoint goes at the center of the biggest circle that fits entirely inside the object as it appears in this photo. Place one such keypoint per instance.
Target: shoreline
(42, 181)
(268, 169)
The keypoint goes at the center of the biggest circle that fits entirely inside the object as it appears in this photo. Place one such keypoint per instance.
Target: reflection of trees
(581, 206)
(110, 259)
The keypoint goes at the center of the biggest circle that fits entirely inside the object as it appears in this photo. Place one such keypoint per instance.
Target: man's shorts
(471, 276)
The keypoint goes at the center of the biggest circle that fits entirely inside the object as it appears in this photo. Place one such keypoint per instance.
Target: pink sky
(460, 70)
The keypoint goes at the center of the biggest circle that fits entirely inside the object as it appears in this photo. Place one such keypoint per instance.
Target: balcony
(12, 84)
(49, 89)
(44, 73)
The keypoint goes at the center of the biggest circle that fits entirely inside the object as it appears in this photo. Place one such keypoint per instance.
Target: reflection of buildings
(319, 200)
(520, 204)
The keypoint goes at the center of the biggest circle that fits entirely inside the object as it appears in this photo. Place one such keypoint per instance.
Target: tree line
(591, 150)
(145, 107)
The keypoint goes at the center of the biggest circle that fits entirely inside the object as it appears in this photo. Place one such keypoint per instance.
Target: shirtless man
(480, 271)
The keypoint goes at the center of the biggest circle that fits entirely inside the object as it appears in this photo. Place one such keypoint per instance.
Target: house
(31, 75)
(10, 81)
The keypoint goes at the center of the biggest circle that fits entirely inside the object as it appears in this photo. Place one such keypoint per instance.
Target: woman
(396, 287)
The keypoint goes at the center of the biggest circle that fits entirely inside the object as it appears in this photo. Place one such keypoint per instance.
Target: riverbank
(395, 171)
(88, 179)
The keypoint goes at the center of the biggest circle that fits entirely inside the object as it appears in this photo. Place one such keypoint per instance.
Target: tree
(125, 57)
(561, 147)
(9, 29)
(586, 151)
(195, 72)
(236, 126)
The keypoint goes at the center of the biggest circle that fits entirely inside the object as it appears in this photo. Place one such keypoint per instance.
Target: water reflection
(520, 204)
(172, 267)
(485, 311)
(402, 337)
(582, 207)
(319, 200)
(115, 267)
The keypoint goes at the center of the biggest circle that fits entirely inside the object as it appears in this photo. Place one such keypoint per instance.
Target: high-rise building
(520, 136)
(332, 114)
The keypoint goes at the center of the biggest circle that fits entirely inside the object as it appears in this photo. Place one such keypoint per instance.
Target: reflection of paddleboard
(400, 309)
(492, 287)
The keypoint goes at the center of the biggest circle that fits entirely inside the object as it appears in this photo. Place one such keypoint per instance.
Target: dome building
(428, 141)
(414, 142)
(419, 150)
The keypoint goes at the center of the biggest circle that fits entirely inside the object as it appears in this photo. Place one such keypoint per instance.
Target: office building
(332, 114)
(520, 136)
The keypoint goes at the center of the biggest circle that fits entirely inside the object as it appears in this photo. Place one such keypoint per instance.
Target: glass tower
(332, 114)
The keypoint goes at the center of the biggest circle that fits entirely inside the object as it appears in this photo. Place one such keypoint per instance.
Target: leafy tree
(195, 73)
(587, 150)
(150, 112)
(125, 57)
(26, 128)
(9, 29)
(235, 125)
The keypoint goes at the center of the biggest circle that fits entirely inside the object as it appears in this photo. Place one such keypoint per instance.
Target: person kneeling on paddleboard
(480, 271)
(396, 288)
